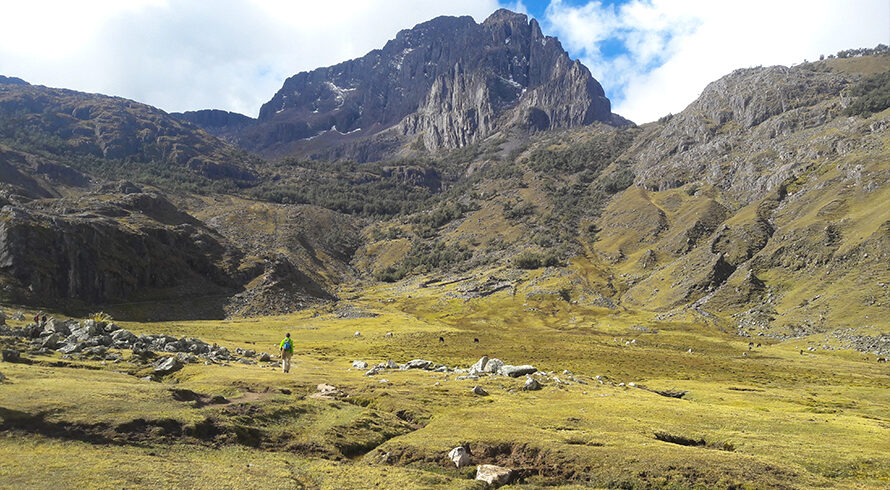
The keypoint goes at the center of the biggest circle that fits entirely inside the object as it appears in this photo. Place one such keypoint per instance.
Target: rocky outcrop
(96, 128)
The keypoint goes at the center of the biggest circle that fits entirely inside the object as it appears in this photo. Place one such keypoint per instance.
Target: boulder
(359, 364)
(98, 351)
(372, 372)
(71, 348)
(265, 357)
(531, 384)
(123, 337)
(11, 355)
(357, 334)
(51, 342)
(18, 316)
(460, 456)
(478, 390)
(390, 364)
(516, 371)
(167, 365)
(479, 367)
(494, 475)
(494, 366)
(111, 327)
(249, 353)
(418, 364)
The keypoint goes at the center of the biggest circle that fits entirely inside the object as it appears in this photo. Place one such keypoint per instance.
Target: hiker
(37, 319)
(286, 349)
(44, 320)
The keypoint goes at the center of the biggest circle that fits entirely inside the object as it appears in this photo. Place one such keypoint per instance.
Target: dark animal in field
(441, 339)
(882, 359)
(475, 341)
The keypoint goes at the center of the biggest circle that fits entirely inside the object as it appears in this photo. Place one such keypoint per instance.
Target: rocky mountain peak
(449, 81)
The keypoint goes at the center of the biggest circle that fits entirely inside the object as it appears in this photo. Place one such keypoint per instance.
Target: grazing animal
(475, 341)
(882, 359)
(758, 344)
(801, 352)
(441, 339)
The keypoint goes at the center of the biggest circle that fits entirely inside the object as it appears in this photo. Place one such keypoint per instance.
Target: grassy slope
(813, 420)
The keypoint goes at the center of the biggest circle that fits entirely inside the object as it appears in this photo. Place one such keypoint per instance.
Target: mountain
(448, 83)
(760, 207)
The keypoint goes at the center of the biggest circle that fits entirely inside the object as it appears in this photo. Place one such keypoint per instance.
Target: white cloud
(193, 54)
(675, 48)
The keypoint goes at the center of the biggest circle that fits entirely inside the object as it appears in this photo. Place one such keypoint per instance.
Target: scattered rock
(265, 357)
(478, 390)
(494, 475)
(18, 316)
(359, 364)
(388, 335)
(531, 384)
(390, 364)
(372, 372)
(11, 355)
(468, 376)
(516, 371)
(167, 365)
(2, 377)
(357, 334)
(460, 456)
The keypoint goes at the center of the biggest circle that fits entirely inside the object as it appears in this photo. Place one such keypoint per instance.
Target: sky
(653, 57)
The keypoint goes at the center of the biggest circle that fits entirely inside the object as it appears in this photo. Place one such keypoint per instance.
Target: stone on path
(459, 456)
(327, 392)
(494, 475)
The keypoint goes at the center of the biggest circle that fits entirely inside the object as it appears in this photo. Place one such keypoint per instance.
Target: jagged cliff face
(450, 80)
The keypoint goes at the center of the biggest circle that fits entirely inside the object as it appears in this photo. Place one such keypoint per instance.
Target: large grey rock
(167, 365)
(479, 367)
(478, 390)
(98, 351)
(494, 366)
(265, 357)
(359, 365)
(460, 456)
(56, 326)
(71, 348)
(123, 336)
(418, 364)
(51, 342)
(494, 475)
(11, 355)
(517, 371)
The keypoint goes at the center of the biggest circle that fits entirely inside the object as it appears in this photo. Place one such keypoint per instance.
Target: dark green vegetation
(872, 95)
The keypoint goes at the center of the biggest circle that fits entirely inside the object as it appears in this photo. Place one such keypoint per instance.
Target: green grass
(817, 420)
